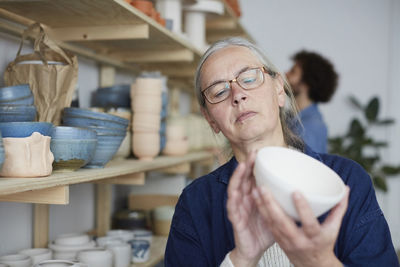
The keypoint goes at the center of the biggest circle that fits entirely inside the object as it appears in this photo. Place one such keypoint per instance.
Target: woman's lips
(245, 115)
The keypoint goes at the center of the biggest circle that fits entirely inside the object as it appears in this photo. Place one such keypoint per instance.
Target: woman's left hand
(311, 244)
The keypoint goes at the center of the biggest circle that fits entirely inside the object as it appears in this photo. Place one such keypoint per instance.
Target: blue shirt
(201, 234)
(315, 132)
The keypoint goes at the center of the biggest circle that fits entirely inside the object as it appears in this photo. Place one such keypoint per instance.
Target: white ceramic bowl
(72, 239)
(65, 252)
(37, 254)
(108, 240)
(96, 257)
(286, 170)
(16, 260)
(125, 235)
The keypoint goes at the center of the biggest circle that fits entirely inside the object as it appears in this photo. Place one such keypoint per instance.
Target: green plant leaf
(372, 109)
(390, 170)
(379, 144)
(355, 102)
(356, 129)
(385, 122)
(380, 183)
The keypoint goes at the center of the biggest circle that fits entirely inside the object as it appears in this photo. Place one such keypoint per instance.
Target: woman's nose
(238, 93)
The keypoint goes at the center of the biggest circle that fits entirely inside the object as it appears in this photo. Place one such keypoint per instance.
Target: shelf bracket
(129, 179)
(176, 55)
(105, 32)
(52, 195)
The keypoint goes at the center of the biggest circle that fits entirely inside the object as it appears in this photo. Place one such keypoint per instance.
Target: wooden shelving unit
(113, 33)
(219, 27)
(54, 188)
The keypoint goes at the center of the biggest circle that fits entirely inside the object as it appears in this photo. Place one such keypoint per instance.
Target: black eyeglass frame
(264, 70)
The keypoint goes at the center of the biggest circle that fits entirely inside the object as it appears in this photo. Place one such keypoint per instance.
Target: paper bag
(51, 73)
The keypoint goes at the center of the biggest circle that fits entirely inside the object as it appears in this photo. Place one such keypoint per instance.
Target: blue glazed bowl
(90, 122)
(74, 133)
(15, 92)
(17, 113)
(112, 99)
(25, 129)
(86, 113)
(29, 100)
(72, 154)
(107, 146)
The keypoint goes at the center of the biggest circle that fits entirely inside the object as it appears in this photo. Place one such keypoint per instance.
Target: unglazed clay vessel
(146, 145)
(27, 157)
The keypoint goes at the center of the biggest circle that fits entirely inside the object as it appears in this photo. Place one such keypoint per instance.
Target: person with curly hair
(313, 80)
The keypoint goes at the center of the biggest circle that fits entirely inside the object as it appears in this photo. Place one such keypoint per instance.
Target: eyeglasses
(248, 79)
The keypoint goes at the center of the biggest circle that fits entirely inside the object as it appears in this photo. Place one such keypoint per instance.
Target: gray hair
(288, 114)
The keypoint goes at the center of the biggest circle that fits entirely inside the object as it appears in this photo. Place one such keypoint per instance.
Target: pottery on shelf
(37, 254)
(146, 122)
(146, 145)
(195, 20)
(96, 257)
(27, 157)
(16, 260)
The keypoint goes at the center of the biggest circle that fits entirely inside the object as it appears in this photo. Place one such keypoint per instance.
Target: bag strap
(41, 42)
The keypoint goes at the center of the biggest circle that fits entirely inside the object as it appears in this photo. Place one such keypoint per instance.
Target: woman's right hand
(252, 237)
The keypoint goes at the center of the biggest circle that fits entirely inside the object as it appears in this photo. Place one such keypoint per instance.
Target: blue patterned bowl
(16, 113)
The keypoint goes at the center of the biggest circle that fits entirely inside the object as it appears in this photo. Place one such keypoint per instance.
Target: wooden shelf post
(40, 225)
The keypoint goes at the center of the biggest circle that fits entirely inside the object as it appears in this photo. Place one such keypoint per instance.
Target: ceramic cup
(37, 254)
(141, 245)
(97, 257)
(140, 250)
(122, 254)
(16, 260)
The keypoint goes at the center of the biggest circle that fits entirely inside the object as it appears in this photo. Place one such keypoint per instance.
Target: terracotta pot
(146, 145)
(143, 5)
(147, 104)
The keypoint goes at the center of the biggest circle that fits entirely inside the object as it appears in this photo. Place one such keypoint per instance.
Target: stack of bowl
(72, 147)
(125, 149)
(146, 106)
(16, 103)
(67, 246)
(112, 97)
(110, 130)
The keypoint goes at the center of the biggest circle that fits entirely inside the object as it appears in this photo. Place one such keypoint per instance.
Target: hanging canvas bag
(50, 71)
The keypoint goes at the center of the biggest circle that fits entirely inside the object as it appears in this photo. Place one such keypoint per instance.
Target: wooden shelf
(219, 27)
(121, 169)
(106, 30)
(157, 251)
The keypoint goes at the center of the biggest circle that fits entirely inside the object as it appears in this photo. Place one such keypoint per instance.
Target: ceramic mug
(140, 250)
(122, 254)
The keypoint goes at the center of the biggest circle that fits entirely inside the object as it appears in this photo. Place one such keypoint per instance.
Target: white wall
(362, 39)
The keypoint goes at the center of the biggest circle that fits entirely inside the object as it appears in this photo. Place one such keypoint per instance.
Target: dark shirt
(202, 235)
(315, 132)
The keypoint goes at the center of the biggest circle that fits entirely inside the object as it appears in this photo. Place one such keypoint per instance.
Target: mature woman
(224, 219)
